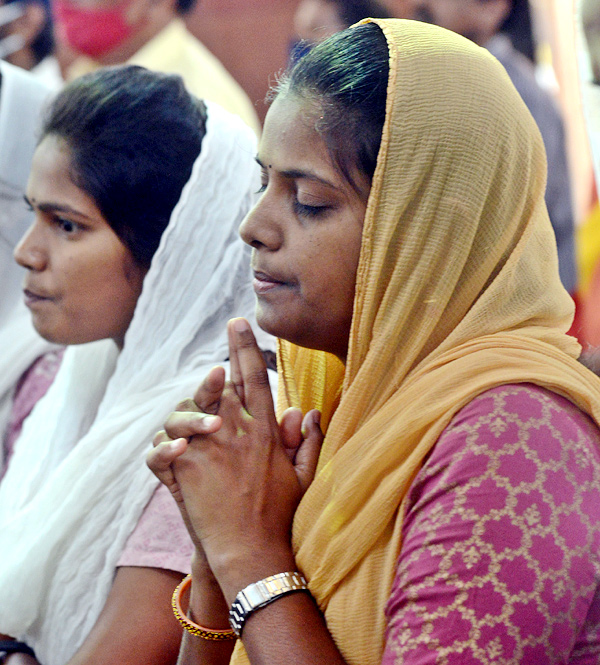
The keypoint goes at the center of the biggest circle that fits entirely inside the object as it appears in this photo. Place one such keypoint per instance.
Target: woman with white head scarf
(144, 311)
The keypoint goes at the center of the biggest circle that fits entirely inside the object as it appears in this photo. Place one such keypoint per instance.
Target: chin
(271, 321)
(45, 332)
(283, 328)
(62, 337)
(53, 337)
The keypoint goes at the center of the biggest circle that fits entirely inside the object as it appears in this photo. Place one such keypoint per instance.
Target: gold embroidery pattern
(516, 582)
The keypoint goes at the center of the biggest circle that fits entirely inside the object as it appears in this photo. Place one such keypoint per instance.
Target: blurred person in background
(152, 35)
(25, 32)
(315, 20)
(489, 23)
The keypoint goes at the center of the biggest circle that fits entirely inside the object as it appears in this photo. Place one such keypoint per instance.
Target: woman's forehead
(292, 141)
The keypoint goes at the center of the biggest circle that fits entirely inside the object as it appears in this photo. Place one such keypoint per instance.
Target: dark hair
(347, 75)
(133, 136)
(184, 6)
(352, 11)
(519, 28)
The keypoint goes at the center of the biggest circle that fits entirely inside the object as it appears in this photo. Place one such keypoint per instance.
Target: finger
(257, 390)
(183, 424)
(290, 427)
(208, 395)
(187, 405)
(307, 456)
(235, 373)
(160, 458)
(160, 437)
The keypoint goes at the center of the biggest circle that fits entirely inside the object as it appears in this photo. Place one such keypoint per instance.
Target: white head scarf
(77, 483)
(22, 97)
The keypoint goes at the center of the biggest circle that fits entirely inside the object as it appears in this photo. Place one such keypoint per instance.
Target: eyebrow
(55, 207)
(297, 174)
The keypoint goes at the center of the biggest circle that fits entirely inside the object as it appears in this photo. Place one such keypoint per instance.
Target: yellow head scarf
(457, 291)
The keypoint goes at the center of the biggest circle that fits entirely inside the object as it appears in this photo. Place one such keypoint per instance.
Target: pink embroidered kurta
(500, 561)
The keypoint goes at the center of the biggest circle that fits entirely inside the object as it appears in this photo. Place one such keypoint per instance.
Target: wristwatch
(261, 593)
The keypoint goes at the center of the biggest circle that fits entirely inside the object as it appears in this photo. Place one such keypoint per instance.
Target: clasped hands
(236, 473)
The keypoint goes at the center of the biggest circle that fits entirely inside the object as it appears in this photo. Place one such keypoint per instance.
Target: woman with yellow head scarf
(403, 254)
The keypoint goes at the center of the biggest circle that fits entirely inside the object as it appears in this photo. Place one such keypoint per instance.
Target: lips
(32, 298)
(263, 282)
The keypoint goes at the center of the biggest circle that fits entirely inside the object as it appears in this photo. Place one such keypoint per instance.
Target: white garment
(22, 98)
(77, 482)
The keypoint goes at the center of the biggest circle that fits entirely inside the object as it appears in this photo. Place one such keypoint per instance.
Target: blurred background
(252, 39)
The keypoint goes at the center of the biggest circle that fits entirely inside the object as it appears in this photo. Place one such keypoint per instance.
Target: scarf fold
(78, 483)
(457, 291)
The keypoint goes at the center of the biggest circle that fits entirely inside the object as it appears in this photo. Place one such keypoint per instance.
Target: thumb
(290, 426)
(307, 455)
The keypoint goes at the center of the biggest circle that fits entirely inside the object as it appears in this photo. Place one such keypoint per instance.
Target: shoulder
(176, 50)
(518, 460)
(522, 422)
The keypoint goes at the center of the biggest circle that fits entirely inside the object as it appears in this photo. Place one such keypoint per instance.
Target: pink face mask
(92, 32)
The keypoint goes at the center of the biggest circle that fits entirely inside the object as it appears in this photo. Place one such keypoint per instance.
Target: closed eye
(304, 210)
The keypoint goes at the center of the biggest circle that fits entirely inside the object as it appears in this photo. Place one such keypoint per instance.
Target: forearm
(207, 608)
(136, 625)
(291, 628)
(240, 486)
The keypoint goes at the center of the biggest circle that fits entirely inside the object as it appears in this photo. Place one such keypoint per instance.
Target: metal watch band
(262, 593)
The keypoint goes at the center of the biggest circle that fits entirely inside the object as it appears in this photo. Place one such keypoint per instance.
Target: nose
(260, 228)
(30, 251)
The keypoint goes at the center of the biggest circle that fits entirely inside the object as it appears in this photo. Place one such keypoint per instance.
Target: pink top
(160, 539)
(32, 386)
(500, 561)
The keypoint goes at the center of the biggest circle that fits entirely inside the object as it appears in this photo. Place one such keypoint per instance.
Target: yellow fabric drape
(457, 291)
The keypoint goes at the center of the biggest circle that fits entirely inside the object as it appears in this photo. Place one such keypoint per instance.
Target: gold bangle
(190, 626)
